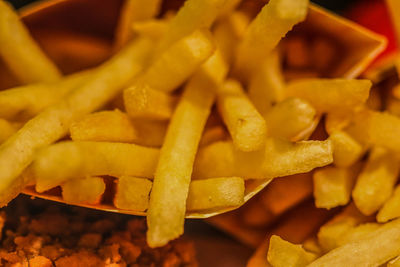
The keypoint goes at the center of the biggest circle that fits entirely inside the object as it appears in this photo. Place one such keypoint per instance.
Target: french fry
(357, 233)
(265, 31)
(20, 52)
(165, 216)
(278, 158)
(332, 186)
(152, 28)
(374, 101)
(336, 122)
(282, 253)
(376, 181)
(373, 250)
(83, 191)
(295, 113)
(394, 263)
(143, 102)
(132, 193)
(7, 129)
(212, 135)
(150, 133)
(67, 160)
(312, 245)
(393, 105)
(110, 126)
(132, 11)
(53, 123)
(266, 86)
(346, 150)
(394, 8)
(391, 209)
(245, 125)
(331, 95)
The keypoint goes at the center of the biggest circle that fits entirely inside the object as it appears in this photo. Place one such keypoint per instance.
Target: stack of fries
(197, 111)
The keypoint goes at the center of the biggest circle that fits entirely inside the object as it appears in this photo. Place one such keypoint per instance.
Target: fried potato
(53, 123)
(67, 160)
(245, 125)
(295, 113)
(110, 126)
(391, 209)
(141, 101)
(7, 129)
(376, 181)
(373, 250)
(152, 28)
(358, 232)
(132, 193)
(278, 158)
(212, 135)
(346, 150)
(20, 52)
(332, 186)
(150, 133)
(282, 253)
(265, 31)
(393, 105)
(166, 213)
(394, 263)
(88, 190)
(331, 95)
(336, 122)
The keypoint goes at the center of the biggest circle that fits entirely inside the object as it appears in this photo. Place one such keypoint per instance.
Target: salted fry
(295, 113)
(357, 233)
(346, 150)
(391, 209)
(332, 186)
(141, 101)
(165, 216)
(150, 133)
(336, 122)
(246, 126)
(376, 181)
(331, 95)
(282, 253)
(152, 28)
(373, 250)
(265, 31)
(7, 129)
(111, 126)
(83, 191)
(278, 158)
(266, 86)
(132, 193)
(20, 52)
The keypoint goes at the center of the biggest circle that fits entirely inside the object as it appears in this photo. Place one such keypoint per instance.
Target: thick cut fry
(53, 123)
(20, 52)
(356, 233)
(246, 126)
(150, 133)
(266, 86)
(391, 208)
(83, 191)
(394, 263)
(373, 250)
(376, 181)
(337, 122)
(215, 193)
(165, 217)
(152, 28)
(294, 113)
(331, 95)
(24, 102)
(178, 62)
(332, 186)
(7, 129)
(132, 193)
(346, 150)
(394, 7)
(134, 10)
(67, 160)
(265, 31)
(212, 135)
(143, 102)
(278, 158)
(282, 253)
(111, 126)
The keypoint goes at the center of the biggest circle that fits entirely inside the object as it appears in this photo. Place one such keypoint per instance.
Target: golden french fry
(212, 135)
(132, 193)
(376, 181)
(391, 208)
(295, 113)
(152, 28)
(333, 185)
(165, 216)
(63, 161)
(374, 101)
(110, 126)
(20, 52)
(393, 105)
(150, 133)
(394, 7)
(83, 191)
(282, 253)
(357, 233)
(331, 95)
(336, 122)
(394, 263)
(375, 249)
(346, 150)
(266, 86)
(53, 123)
(246, 126)
(141, 101)
(312, 245)
(265, 31)
(7, 129)
(278, 158)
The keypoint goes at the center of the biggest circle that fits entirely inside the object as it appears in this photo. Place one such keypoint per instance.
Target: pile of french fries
(194, 113)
